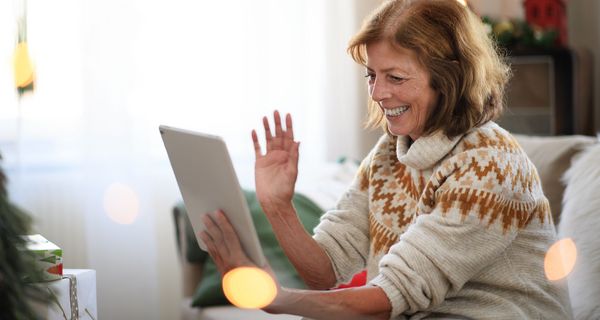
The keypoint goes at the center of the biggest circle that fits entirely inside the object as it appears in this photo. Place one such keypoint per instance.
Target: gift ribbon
(73, 296)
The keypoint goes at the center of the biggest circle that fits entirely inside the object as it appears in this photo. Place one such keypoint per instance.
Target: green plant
(518, 34)
(16, 264)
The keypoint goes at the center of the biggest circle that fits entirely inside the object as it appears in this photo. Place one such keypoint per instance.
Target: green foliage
(15, 263)
(518, 34)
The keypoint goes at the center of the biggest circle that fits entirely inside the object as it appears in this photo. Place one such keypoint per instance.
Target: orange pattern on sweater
(476, 178)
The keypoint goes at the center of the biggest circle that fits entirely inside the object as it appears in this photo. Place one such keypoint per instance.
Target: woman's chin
(396, 130)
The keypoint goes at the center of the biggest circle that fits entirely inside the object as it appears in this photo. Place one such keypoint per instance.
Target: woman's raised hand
(276, 170)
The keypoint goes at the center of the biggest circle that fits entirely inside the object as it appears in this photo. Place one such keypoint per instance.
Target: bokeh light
(463, 2)
(121, 203)
(560, 259)
(23, 66)
(249, 288)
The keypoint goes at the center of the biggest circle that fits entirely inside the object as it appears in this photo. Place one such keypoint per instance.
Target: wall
(584, 31)
(346, 94)
(498, 9)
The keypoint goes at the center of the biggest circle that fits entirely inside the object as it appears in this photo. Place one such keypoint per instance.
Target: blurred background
(82, 149)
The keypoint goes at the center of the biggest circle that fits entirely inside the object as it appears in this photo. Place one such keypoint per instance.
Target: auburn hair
(466, 68)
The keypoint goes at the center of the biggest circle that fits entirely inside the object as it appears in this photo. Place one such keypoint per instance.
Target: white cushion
(233, 313)
(580, 221)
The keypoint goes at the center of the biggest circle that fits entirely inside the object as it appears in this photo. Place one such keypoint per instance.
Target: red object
(359, 279)
(548, 14)
(57, 269)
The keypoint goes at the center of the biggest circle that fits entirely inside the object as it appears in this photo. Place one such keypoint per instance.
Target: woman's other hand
(276, 170)
(223, 243)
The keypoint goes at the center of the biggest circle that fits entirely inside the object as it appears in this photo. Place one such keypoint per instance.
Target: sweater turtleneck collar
(426, 151)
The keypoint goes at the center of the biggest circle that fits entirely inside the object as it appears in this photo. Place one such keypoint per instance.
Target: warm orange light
(249, 288)
(463, 2)
(121, 203)
(23, 66)
(560, 259)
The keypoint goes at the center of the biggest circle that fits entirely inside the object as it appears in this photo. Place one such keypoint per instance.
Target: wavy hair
(465, 66)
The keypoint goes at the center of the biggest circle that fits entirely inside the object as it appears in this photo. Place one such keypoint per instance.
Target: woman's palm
(276, 171)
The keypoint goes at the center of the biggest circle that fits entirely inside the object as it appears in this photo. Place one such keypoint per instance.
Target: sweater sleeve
(344, 231)
(470, 212)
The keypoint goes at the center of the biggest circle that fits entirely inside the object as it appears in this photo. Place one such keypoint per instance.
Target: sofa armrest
(191, 271)
(551, 157)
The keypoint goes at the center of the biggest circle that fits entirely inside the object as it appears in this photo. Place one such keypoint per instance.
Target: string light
(560, 259)
(249, 287)
(121, 203)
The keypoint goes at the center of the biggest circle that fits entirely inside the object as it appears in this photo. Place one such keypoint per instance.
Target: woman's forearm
(367, 302)
(309, 259)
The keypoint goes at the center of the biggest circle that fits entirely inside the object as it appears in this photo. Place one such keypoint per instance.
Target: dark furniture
(550, 92)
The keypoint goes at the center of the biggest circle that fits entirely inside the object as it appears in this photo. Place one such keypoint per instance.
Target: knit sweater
(449, 229)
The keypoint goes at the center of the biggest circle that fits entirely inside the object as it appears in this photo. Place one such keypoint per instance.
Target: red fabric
(359, 279)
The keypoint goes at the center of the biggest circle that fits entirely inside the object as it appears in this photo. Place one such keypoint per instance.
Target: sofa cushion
(233, 313)
(581, 222)
(552, 157)
(209, 292)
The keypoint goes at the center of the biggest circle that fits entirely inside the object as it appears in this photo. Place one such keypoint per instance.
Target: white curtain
(109, 72)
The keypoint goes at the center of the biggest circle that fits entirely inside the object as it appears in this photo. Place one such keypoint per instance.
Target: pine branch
(16, 264)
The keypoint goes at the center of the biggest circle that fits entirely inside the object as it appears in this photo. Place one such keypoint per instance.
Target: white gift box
(73, 296)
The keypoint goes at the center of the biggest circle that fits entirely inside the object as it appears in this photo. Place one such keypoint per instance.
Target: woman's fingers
(288, 139)
(268, 135)
(278, 129)
(232, 241)
(212, 228)
(295, 152)
(283, 139)
(289, 130)
(212, 249)
(257, 152)
(222, 242)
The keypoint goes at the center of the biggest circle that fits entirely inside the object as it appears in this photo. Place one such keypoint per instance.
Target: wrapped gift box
(73, 296)
(48, 257)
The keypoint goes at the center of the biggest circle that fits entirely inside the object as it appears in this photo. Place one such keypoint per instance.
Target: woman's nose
(379, 90)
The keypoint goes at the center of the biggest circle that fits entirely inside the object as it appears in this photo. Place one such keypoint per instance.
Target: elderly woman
(446, 213)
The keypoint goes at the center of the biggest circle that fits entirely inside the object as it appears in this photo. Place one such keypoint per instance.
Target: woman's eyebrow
(387, 70)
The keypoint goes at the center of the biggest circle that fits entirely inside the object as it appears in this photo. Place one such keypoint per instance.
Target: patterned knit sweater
(449, 229)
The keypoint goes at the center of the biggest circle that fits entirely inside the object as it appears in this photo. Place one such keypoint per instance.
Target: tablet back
(207, 182)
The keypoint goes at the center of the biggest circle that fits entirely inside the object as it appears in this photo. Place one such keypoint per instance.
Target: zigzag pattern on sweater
(476, 179)
(493, 140)
(382, 237)
(394, 192)
(493, 207)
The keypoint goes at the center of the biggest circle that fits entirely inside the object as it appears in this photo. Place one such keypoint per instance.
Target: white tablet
(207, 182)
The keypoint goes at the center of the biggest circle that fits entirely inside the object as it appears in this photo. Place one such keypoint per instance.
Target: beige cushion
(552, 157)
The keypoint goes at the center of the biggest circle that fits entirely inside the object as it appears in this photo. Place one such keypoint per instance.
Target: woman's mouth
(395, 112)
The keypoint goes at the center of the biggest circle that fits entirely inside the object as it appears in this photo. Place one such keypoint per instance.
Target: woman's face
(400, 85)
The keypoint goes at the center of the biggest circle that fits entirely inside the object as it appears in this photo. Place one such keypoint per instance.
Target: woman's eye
(396, 79)
(370, 76)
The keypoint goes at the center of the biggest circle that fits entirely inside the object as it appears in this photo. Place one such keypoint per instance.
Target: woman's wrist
(281, 300)
(278, 208)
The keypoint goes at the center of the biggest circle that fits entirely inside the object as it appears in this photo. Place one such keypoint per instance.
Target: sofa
(569, 167)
